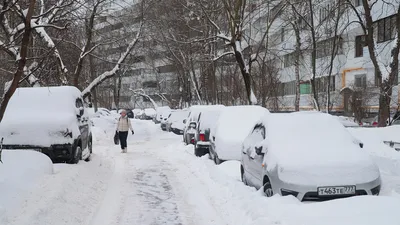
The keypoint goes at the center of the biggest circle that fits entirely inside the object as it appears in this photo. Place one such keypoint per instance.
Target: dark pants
(123, 135)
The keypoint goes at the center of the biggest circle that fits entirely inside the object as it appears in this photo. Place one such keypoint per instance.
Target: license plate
(343, 190)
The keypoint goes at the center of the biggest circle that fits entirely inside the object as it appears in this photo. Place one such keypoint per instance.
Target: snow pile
(233, 126)
(298, 143)
(19, 172)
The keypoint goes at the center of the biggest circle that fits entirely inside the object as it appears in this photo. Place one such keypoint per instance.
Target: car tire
(197, 152)
(76, 156)
(90, 145)
(267, 187)
(217, 160)
(243, 175)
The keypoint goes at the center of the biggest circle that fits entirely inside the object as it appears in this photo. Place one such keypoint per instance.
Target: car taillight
(202, 137)
(375, 124)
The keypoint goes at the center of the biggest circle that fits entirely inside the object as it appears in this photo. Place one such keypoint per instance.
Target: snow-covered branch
(142, 93)
(222, 55)
(104, 76)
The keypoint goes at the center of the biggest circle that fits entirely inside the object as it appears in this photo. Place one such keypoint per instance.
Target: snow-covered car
(57, 123)
(149, 114)
(233, 125)
(175, 121)
(190, 123)
(207, 120)
(284, 155)
(100, 112)
(347, 122)
(159, 112)
(164, 119)
(138, 113)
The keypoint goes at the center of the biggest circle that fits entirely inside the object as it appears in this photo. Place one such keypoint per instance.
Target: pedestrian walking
(123, 127)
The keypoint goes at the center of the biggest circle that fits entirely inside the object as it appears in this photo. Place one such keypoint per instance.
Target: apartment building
(143, 76)
(348, 69)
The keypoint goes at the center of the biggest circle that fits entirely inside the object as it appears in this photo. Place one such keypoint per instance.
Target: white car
(233, 125)
(309, 155)
(55, 123)
(190, 122)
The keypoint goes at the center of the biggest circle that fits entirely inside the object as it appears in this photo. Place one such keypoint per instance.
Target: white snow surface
(233, 126)
(312, 148)
(160, 181)
(18, 173)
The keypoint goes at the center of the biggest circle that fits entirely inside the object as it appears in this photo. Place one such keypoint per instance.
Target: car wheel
(217, 160)
(267, 187)
(242, 175)
(76, 156)
(197, 152)
(90, 145)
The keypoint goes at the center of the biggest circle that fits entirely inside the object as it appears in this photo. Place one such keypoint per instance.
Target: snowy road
(134, 188)
(159, 181)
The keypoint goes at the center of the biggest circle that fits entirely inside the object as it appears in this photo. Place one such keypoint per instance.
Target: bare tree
(385, 74)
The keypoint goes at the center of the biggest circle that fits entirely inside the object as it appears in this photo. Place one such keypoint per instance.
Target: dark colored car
(130, 114)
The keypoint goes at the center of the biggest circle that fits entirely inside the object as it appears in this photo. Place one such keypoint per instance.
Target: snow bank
(234, 203)
(160, 110)
(298, 143)
(233, 126)
(19, 172)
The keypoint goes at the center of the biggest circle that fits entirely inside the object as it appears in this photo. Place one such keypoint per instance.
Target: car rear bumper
(203, 144)
(310, 193)
(54, 152)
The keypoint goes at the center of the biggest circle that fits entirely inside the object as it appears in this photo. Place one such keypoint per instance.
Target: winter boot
(125, 150)
(122, 150)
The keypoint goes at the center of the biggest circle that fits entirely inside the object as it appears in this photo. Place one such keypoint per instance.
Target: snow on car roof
(50, 99)
(235, 122)
(312, 137)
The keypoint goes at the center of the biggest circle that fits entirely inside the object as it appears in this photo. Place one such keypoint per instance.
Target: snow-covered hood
(39, 129)
(325, 172)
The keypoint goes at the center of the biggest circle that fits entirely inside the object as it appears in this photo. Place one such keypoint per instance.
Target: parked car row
(309, 155)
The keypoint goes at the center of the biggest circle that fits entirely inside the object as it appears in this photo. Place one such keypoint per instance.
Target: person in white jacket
(123, 126)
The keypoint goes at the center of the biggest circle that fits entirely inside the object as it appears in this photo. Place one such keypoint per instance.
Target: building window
(305, 88)
(357, 3)
(290, 88)
(321, 84)
(325, 47)
(360, 44)
(150, 84)
(386, 29)
(282, 34)
(289, 59)
(360, 81)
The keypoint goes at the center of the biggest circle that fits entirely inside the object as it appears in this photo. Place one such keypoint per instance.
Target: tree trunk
(21, 63)
(313, 56)
(92, 77)
(297, 65)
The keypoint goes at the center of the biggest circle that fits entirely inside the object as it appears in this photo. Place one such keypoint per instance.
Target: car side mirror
(184, 121)
(361, 145)
(259, 150)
